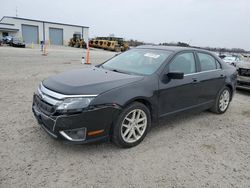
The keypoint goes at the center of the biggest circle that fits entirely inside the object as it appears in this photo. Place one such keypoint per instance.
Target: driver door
(179, 94)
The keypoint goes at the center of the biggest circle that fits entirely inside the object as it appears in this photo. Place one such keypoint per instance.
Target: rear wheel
(132, 125)
(222, 101)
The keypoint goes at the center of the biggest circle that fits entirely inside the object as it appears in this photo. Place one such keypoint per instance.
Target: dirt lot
(201, 150)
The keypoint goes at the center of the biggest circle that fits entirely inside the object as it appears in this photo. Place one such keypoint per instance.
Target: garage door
(30, 33)
(56, 36)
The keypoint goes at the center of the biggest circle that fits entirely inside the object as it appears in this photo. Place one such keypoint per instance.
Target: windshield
(138, 61)
(230, 58)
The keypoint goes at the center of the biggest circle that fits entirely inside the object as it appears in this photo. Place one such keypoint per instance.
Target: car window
(207, 62)
(183, 63)
(229, 58)
(237, 59)
(138, 61)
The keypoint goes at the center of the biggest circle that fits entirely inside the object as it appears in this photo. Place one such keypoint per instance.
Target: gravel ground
(200, 150)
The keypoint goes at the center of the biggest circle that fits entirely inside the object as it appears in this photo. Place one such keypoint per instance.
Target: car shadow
(165, 124)
(178, 120)
(244, 92)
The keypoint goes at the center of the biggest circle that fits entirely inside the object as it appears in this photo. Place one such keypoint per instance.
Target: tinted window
(183, 63)
(207, 62)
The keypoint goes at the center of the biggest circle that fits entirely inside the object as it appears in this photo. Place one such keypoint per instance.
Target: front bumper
(243, 82)
(99, 118)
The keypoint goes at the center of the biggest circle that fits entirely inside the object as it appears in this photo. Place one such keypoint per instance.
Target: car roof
(170, 48)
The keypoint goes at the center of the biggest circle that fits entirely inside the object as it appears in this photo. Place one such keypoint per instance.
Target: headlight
(73, 105)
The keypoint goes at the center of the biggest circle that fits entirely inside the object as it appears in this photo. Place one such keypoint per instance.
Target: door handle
(195, 80)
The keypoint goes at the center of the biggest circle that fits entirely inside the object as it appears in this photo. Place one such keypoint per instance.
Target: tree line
(221, 50)
(135, 43)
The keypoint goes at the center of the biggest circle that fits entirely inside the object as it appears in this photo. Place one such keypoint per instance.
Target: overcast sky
(214, 23)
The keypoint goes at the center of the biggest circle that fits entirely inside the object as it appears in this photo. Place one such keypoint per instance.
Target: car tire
(132, 125)
(222, 101)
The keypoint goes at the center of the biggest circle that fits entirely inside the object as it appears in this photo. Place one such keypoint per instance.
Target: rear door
(179, 94)
(211, 77)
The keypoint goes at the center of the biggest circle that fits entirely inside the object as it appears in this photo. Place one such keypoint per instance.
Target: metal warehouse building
(34, 31)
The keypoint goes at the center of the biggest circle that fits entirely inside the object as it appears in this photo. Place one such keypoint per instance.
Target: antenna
(16, 11)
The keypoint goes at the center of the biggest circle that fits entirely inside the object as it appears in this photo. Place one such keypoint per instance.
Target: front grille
(46, 108)
(244, 72)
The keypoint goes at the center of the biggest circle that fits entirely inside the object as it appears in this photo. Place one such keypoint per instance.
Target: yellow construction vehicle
(109, 43)
(77, 41)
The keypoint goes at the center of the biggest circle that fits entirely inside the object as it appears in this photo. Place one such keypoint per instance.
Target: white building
(34, 31)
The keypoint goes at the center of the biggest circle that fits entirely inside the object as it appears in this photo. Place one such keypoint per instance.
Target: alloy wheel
(134, 125)
(224, 100)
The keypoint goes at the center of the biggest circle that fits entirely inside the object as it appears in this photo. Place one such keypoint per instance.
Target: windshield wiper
(100, 66)
(124, 72)
(116, 70)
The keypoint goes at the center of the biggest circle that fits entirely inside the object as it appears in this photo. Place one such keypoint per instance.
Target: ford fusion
(120, 99)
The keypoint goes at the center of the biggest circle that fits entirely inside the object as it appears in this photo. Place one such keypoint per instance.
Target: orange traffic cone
(87, 58)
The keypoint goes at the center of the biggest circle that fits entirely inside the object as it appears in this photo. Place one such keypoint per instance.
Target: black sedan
(15, 42)
(122, 97)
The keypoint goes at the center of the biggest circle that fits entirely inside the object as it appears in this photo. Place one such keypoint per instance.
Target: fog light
(74, 134)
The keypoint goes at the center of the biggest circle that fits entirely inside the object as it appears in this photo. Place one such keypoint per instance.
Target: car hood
(244, 65)
(88, 81)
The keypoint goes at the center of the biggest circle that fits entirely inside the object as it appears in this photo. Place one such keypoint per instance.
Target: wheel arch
(231, 90)
(146, 102)
(115, 131)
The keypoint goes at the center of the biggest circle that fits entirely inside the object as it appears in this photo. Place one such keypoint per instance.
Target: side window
(207, 62)
(183, 63)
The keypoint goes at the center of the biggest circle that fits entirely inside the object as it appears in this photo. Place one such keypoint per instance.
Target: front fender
(145, 89)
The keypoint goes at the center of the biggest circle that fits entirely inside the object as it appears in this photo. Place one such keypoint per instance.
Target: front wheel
(132, 125)
(222, 101)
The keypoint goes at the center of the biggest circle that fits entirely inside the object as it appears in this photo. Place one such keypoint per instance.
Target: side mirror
(175, 75)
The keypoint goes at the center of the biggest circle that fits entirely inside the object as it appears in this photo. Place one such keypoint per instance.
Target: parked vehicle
(15, 42)
(122, 97)
(7, 39)
(77, 41)
(232, 60)
(109, 43)
(222, 56)
(243, 78)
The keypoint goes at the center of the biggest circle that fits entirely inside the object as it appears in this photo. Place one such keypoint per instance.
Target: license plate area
(44, 120)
